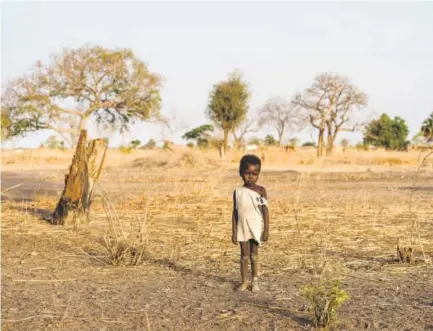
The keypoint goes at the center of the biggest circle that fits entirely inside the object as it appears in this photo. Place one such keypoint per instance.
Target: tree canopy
(110, 85)
(329, 104)
(427, 128)
(199, 134)
(387, 133)
(228, 104)
(281, 115)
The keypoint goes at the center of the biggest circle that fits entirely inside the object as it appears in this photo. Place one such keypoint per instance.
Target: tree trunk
(222, 154)
(320, 143)
(329, 144)
(73, 206)
(225, 143)
(280, 138)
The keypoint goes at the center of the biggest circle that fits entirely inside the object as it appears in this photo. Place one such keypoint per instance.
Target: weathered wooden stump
(404, 254)
(74, 204)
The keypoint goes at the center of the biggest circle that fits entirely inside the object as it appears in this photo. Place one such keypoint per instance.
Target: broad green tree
(388, 133)
(200, 134)
(427, 128)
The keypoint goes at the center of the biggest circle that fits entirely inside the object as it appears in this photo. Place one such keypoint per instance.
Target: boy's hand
(234, 238)
(265, 236)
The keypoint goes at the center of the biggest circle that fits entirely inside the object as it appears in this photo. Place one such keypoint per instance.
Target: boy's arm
(234, 220)
(265, 212)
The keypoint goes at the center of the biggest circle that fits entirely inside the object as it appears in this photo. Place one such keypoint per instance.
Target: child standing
(250, 220)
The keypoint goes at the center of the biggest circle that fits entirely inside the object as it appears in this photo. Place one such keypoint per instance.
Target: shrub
(325, 299)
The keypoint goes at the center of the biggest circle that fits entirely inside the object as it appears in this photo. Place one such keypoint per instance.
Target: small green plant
(325, 299)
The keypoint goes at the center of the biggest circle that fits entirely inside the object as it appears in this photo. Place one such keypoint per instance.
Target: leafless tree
(248, 126)
(330, 104)
(282, 115)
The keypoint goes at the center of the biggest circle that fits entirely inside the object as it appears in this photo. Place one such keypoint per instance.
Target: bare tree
(282, 115)
(329, 104)
(248, 126)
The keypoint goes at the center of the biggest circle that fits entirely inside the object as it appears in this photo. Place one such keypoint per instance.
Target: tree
(427, 128)
(52, 142)
(329, 104)
(135, 143)
(248, 126)
(309, 144)
(344, 143)
(228, 104)
(111, 86)
(270, 140)
(293, 142)
(151, 144)
(388, 133)
(5, 124)
(200, 135)
(282, 115)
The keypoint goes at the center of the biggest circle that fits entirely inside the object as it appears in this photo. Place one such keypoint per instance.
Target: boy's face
(251, 174)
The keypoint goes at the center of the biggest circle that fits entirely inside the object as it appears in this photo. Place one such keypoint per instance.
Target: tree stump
(404, 254)
(74, 204)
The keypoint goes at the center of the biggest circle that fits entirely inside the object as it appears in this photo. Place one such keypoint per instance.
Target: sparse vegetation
(350, 219)
(325, 299)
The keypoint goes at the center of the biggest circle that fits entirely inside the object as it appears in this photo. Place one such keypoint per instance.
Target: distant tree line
(115, 89)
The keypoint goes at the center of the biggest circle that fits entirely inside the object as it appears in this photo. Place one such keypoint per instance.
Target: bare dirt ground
(336, 225)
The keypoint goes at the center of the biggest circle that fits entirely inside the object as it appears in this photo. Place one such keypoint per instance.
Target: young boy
(250, 221)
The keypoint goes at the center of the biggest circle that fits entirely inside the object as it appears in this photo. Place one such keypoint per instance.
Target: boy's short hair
(249, 159)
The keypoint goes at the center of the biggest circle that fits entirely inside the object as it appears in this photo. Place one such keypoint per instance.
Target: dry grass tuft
(122, 248)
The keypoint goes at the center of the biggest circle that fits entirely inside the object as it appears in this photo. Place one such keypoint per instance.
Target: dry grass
(185, 157)
(178, 213)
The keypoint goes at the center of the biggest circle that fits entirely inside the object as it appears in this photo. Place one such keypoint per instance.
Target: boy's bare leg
(245, 256)
(254, 251)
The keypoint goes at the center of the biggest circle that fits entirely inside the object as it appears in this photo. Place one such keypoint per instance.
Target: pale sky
(385, 48)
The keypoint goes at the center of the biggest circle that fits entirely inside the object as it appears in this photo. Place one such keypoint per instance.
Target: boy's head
(249, 169)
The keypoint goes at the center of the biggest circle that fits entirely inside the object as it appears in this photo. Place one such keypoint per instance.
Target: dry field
(337, 219)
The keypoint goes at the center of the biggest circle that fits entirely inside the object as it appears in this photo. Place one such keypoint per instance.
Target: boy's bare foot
(243, 286)
(255, 286)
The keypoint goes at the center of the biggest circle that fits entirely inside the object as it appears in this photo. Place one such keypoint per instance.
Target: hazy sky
(385, 48)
